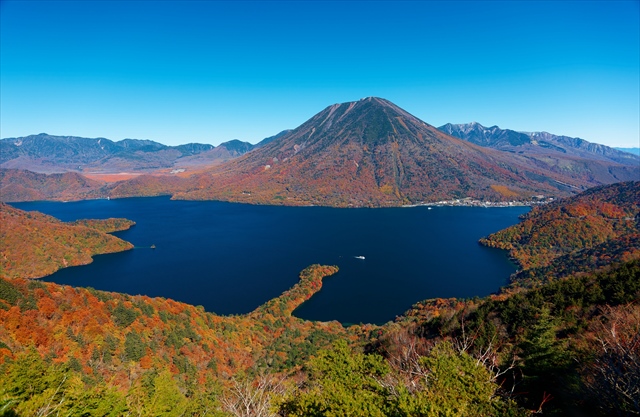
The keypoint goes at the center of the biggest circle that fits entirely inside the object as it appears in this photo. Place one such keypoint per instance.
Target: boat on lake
(359, 257)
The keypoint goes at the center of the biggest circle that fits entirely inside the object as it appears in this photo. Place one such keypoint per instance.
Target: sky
(212, 71)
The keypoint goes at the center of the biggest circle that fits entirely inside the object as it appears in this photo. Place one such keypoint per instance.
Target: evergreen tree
(134, 347)
(542, 354)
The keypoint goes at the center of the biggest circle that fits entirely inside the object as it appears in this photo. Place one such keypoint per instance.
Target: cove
(231, 258)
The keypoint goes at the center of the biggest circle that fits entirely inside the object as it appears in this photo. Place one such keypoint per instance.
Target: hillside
(581, 233)
(145, 355)
(567, 347)
(34, 245)
(566, 334)
(21, 185)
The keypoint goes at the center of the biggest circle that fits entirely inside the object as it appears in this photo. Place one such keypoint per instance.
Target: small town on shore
(470, 202)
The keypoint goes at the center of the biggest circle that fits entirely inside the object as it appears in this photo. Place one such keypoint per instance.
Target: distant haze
(635, 151)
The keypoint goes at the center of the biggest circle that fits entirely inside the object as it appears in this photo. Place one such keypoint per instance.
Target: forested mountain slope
(581, 233)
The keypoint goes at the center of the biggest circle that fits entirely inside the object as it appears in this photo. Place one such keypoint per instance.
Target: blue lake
(231, 258)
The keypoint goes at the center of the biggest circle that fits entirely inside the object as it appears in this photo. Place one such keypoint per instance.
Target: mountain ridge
(49, 154)
(634, 151)
(507, 139)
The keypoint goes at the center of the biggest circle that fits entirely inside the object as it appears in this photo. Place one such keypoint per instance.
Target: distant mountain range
(366, 153)
(45, 153)
(536, 143)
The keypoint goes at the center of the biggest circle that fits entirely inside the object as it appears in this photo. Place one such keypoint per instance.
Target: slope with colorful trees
(120, 342)
(581, 233)
(570, 346)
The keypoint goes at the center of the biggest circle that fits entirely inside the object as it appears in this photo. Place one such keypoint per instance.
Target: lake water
(231, 258)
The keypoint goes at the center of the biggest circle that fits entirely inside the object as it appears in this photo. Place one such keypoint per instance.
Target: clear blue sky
(208, 72)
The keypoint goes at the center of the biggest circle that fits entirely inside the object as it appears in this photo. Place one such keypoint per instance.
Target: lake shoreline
(232, 258)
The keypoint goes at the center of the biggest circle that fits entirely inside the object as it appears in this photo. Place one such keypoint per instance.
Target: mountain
(369, 153)
(373, 153)
(189, 149)
(537, 143)
(57, 154)
(214, 155)
(584, 148)
(492, 137)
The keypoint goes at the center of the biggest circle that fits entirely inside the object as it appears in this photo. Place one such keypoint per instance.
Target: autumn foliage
(33, 244)
(581, 233)
(553, 347)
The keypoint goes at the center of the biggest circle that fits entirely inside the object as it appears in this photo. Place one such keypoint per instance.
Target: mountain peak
(376, 101)
(368, 120)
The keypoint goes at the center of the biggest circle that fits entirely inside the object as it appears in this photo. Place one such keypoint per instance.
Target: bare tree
(253, 398)
(613, 377)
(487, 355)
(403, 351)
(53, 405)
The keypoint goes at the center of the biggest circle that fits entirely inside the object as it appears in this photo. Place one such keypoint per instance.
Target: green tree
(82, 400)
(542, 354)
(443, 383)
(134, 347)
(341, 384)
(31, 386)
(123, 316)
(452, 384)
(157, 394)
